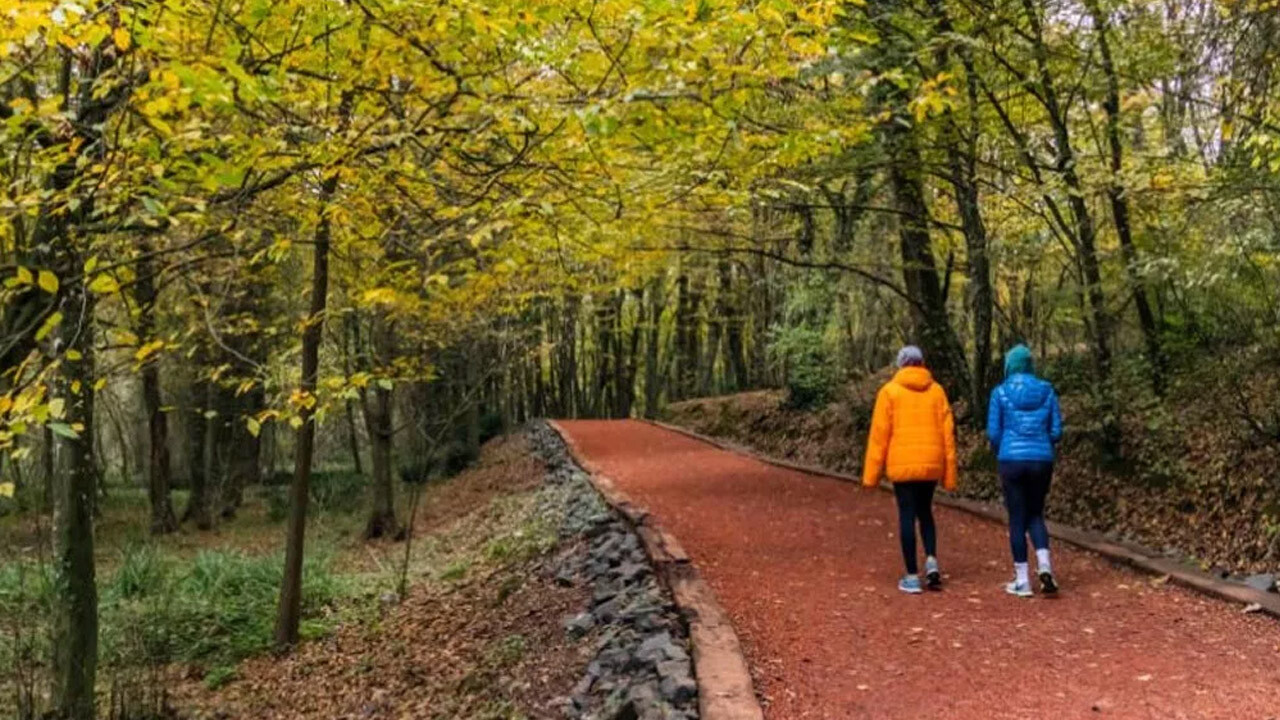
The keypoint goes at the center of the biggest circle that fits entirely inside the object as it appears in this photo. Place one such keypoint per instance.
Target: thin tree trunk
(653, 336)
(202, 437)
(74, 601)
(1085, 235)
(962, 166)
(290, 610)
(1120, 204)
(159, 473)
(378, 420)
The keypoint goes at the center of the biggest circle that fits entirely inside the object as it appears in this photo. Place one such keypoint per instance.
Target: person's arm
(995, 423)
(950, 474)
(878, 439)
(1055, 418)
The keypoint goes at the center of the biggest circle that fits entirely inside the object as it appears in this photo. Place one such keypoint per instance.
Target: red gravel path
(806, 568)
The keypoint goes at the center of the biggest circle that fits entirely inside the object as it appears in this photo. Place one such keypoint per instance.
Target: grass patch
(211, 612)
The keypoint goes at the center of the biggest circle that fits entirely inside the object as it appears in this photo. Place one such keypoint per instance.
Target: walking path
(806, 568)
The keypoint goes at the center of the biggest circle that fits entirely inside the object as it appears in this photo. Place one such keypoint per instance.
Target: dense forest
(247, 242)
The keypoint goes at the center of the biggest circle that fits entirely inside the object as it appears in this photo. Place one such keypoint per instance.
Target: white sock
(1020, 574)
(1042, 560)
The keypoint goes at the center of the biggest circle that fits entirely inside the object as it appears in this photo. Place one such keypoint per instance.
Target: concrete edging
(1132, 555)
(725, 690)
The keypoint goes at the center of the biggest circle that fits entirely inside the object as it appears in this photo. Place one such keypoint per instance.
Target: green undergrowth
(171, 601)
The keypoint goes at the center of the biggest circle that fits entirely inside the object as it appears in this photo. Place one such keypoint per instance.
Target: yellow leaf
(52, 322)
(75, 387)
(24, 276)
(99, 384)
(74, 355)
(6, 489)
(379, 295)
(57, 407)
(148, 350)
(254, 426)
(104, 284)
(121, 38)
(6, 402)
(48, 282)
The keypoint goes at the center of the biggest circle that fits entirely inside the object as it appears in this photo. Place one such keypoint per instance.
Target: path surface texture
(806, 568)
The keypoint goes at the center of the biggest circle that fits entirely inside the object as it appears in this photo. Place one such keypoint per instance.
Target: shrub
(811, 377)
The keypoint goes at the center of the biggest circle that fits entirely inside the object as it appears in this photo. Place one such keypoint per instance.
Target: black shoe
(1048, 585)
(933, 580)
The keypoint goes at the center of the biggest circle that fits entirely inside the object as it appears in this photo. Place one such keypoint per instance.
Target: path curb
(1129, 554)
(725, 691)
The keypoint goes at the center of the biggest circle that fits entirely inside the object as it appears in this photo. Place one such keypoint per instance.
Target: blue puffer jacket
(1023, 419)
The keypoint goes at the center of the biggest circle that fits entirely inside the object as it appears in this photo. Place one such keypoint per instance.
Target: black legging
(1026, 485)
(915, 503)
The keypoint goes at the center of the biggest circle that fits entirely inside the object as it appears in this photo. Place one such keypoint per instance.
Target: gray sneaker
(910, 584)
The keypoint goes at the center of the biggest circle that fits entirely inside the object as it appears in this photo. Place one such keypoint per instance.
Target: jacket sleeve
(1055, 418)
(950, 473)
(995, 423)
(878, 439)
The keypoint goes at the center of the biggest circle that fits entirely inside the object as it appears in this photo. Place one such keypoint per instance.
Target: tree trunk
(653, 375)
(919, 271)
(202, 438)
(74, 600)
(159, 474)
(1085, 235)
(1120, 205)
(735, 350)
(289, 616)
(962, 167)
(378, 421)
(244, 461)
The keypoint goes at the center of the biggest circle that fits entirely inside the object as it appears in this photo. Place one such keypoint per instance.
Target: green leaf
(64, 430)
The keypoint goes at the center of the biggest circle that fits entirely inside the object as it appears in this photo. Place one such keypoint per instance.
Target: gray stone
(1266, 582)
(605, 592)
(631, 572)
(657, 648)
(579, 625)
(607, 611)
(679, 688)
(645, 698)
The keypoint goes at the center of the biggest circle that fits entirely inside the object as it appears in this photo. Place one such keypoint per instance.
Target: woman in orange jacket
(912, 442)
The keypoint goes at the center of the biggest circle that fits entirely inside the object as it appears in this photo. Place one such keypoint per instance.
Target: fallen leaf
(1252, 608)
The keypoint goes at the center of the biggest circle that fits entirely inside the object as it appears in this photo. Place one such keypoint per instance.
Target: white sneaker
(1022, 590)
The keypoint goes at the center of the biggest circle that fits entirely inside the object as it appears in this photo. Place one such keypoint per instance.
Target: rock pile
(641, 667)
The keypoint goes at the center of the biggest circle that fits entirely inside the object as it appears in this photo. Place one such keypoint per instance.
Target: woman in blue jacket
(1024, 424)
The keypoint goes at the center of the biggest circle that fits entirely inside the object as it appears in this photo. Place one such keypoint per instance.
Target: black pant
(1026, 486)
(915, 503)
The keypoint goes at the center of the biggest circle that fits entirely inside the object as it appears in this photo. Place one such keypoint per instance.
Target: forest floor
(1195, 482)
(806, 568)
(186, 618)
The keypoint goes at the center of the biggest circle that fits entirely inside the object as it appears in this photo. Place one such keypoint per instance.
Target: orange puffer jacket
(912, 432)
